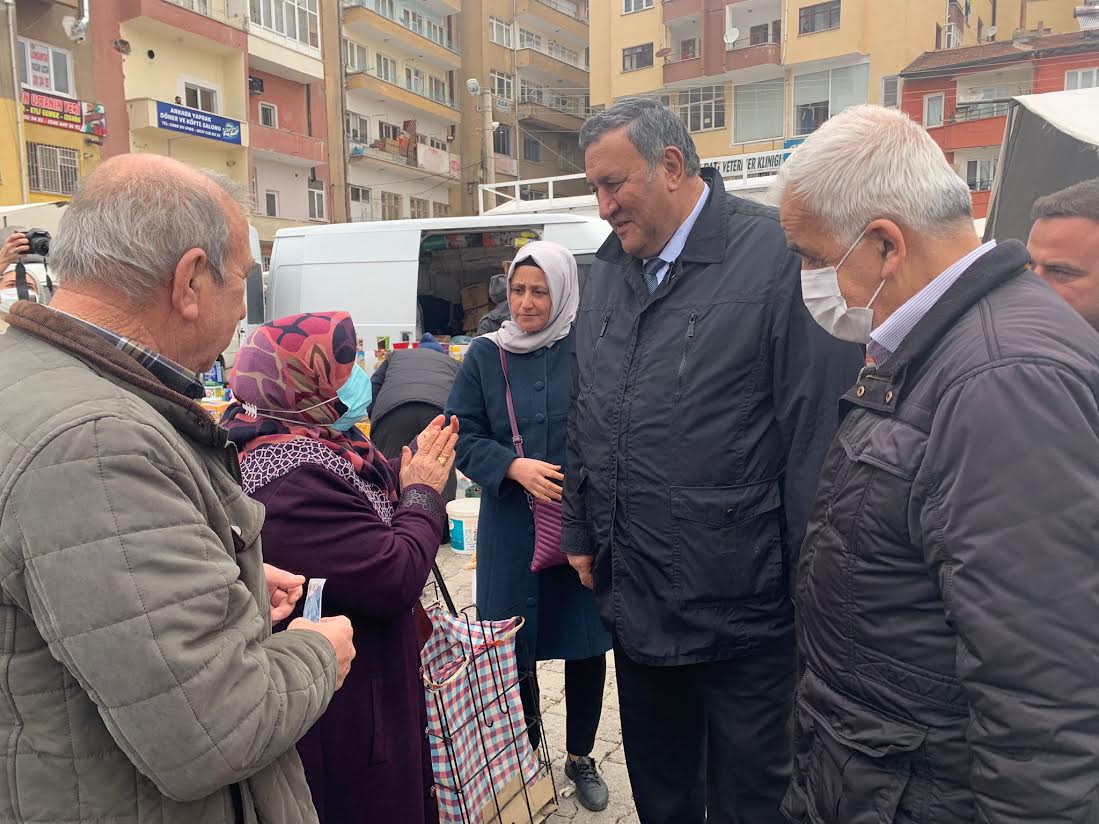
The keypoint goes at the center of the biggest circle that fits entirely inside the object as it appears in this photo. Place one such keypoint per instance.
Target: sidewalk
(551, 679)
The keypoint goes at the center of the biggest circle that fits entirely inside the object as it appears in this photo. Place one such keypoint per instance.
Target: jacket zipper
(602, 331)
(594, 350)
(683, 360)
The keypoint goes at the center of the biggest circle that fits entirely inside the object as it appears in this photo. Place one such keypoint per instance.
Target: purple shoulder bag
(547, 514)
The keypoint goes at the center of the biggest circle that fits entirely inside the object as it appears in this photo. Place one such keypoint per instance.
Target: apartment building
(399, 136)
(532, 56)
(754, 77)
(962, 95)
(54, 125)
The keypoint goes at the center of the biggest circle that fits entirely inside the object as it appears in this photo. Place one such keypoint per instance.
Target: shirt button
(540, 418)
(539, 385)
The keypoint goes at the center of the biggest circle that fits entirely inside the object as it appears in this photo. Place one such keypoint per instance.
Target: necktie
(649, 271)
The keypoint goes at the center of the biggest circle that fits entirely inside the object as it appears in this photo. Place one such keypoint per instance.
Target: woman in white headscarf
(561, 617)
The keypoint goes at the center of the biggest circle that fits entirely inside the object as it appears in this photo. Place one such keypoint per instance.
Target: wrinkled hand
(14, 248)
(434, 456)
(285, 590)
(583, 564)
(337, 629)
(537, 477)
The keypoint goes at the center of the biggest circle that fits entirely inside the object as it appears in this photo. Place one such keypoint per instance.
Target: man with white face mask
(948, 590)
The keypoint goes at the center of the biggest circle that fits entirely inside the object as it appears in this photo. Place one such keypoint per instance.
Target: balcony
(744, 55)
(547, 112)
(675, 9)
(563, 15)
(288, 147)
(174, 122)
(382, 91)
(428, 158)
(362, 18)
(283, 56)
(552, 67)
(682, 68)
(210, 26)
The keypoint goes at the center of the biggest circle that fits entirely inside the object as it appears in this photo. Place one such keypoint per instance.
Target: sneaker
(591, 789)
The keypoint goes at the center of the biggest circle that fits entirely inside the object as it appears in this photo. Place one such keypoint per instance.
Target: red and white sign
(39, 59)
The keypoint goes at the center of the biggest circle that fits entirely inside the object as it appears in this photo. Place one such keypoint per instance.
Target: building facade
(962, 95)
(754, 77)
(532, 57)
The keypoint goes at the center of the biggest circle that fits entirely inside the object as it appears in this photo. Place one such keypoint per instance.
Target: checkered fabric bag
(475, 718)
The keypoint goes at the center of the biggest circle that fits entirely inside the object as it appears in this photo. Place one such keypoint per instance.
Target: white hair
(128, 231)
(870, 162)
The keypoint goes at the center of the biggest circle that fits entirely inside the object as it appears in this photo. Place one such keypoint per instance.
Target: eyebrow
(1064, 267)
(797, 250)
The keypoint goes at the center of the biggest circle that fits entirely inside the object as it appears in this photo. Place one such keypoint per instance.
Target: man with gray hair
(141, 679)
(1064, 245)
(948, 594)
(703, 400)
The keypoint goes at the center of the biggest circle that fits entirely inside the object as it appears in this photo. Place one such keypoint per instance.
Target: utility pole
(488, 156)
(17, 102)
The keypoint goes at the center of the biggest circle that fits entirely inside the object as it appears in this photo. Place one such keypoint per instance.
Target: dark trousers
(708, 742)
(400, 427)
(584, 680)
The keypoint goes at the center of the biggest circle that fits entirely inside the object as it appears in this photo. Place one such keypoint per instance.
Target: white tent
(1051, 142)
(32, 216)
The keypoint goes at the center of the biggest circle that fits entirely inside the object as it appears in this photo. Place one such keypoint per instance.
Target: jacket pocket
(852, 764)
(681, 373)
(728, 544)
(587, 377)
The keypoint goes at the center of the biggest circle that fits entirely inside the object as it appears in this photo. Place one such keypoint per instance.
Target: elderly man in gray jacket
(948, 593)
(141, 681)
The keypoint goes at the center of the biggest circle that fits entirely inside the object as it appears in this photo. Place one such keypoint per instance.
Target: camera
(39, 240)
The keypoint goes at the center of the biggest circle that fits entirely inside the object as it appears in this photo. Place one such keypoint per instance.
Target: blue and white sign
(200, 124)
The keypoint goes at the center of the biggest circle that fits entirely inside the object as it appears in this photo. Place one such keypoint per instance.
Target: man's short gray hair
(651, 128)
(1078, 200)
(127, 231)
(868, 163)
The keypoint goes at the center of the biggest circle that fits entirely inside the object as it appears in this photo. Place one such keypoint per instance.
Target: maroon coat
(366, 759)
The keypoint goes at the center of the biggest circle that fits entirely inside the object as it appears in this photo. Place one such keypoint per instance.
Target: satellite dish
(664, 52)
(731, 36)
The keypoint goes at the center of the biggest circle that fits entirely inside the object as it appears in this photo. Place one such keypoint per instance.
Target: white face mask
(820, 290)
(10, 296)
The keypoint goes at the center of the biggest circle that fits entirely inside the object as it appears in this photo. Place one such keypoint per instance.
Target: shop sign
(63, 113)
(762, 164)
(178, 118)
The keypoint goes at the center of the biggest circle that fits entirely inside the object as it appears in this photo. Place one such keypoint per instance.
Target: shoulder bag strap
(516, 438)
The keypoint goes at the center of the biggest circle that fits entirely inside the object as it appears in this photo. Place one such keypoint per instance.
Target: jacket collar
(186, 416)
(882, 389)
(705, 243)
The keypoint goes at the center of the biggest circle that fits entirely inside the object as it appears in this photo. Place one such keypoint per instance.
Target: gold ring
(442, 460)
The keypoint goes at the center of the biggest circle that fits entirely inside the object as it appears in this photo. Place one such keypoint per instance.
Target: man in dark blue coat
(704, 397)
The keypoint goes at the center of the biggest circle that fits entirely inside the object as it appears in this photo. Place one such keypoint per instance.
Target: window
(819, 95)
(933, 110)
(938, 37)
(630, 6)
(360, 204)
(391, 206)
(760, 34)
(436, 88)
(52, 169)
(821, 17)
(412, 21)
(637, 57)
(434, 31)
(501, 84)
(701, 108)
(199, 97)
(388, 131)
(688, 49)
(502, 142)
(358, 127)
(565, 54)
(387, 69)
(499, 32)
(530, 40)
(45, 68)
(385, 8)
(972, 105)
(891, 92)
(954, 38)
(532, 149)
(355, 56)
(268, 115)
(1082, 79)
(414, 80)
(530, 92)
(437, 143)
(758, 111)
(419, 208)
(316, 199)
(776, 31)
(265, 262)
(296, 19)
(979, 175)
(271, 203)
(441, 209)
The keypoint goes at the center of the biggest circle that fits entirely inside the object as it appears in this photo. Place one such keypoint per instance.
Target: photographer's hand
(13, 249)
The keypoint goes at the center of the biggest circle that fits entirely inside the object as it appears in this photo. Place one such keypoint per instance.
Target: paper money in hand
(312, 609)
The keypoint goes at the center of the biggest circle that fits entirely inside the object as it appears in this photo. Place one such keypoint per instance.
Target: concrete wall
(291, 182)
(286, 95)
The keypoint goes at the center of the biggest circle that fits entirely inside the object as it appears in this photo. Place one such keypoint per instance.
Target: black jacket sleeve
(811, 372)
(577, 536)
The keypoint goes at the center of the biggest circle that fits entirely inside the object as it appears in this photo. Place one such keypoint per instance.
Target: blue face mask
(356, 395)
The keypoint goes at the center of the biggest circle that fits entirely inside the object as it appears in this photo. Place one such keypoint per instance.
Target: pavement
(551, 679)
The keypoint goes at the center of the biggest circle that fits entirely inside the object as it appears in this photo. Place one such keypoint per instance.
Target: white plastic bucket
(463, 514)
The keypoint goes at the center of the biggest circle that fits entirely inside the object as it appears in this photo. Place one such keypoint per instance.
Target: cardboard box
(475, 296)
(473, 317)
(513, 805)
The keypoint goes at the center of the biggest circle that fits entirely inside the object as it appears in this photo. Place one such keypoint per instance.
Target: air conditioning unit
(255, 85)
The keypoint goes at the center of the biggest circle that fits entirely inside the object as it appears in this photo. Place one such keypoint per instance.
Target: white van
(253, 299)
(400, 278)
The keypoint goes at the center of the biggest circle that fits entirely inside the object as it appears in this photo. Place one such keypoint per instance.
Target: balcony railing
(558, 55)
(568, 9)
(356, 148)
(442, 100)
(380, 9)
(982, 103)
(576, 105)
(214, 9)
(747, 43)
(680, 57)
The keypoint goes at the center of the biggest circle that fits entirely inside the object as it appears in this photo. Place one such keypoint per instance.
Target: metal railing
(681, 57)
(561, 58)
(567, 104)
(748, 42)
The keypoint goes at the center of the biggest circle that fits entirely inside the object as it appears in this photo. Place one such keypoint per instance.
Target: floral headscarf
(291, 368)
